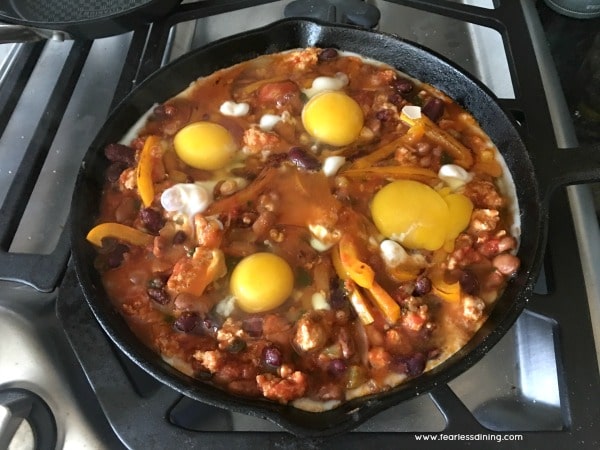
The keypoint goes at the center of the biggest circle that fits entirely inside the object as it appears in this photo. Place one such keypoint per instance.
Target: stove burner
(354, 12)
(22, 404)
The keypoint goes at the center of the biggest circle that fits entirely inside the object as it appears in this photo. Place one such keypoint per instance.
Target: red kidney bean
(114, 171)
(179, 237)
(120, 153)
(115, 257)
(384, 115)
(272, 356)
(152, 219)
(434, 109)
(469, 282)
(328, 54)
(402, 85)
(337, 367)
(303, 159)
(253, 326)
(163, 111)
(422, 286)
(412, 366)
(160, 296)
(396, 99)
(187, 322)
(506, 264)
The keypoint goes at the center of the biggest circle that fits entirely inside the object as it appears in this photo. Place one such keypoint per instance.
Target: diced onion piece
(412, 112)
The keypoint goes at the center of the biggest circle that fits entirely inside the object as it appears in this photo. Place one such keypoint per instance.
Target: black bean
(120, 153)
(179, 237)
(272, 356)
(237, 345)
(253, 326)
(187, 322)
(402, 85)
(338, 298)
(157, 282)
(114, 171)
(160, 296)
(337, 367)
(469, 282)
(210, 325)
(152, 219)
(422, 286)
(328, 54)
(303, 160)
(115, 257)
(434, 109)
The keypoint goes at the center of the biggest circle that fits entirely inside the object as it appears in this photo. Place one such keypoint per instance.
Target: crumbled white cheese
(268, 121)
(392, 253)
(332, 164)
(322, 84)
(230, 108)
(454, 176)
(188, 198)
(319, 245)
(226, 306)
(319, 301)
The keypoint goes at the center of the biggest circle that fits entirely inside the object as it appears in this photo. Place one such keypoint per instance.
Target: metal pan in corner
(29, 20)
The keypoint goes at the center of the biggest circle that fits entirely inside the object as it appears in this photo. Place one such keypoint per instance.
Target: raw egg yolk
(205, 145)
(459, 209)
(333, 118)
(417, 216)
(261, 282)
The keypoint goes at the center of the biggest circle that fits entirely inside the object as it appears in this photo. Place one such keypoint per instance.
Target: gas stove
(64, 385)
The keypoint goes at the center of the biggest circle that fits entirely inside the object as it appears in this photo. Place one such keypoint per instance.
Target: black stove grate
(145, 414)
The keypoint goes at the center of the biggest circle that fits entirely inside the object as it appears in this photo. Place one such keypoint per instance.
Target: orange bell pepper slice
(461, 154)
(360, 272)
(447, 291)
(385, 302)
(144, 171)
(118, 231)
(403, 172)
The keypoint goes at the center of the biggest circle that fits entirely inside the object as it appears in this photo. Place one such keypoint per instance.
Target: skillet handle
(562, 167)
(18, 33)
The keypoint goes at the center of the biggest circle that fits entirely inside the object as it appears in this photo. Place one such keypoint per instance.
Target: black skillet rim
(353, 413)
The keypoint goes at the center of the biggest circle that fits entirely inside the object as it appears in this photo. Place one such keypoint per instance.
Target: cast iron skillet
(83, 19)
(533, 186)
